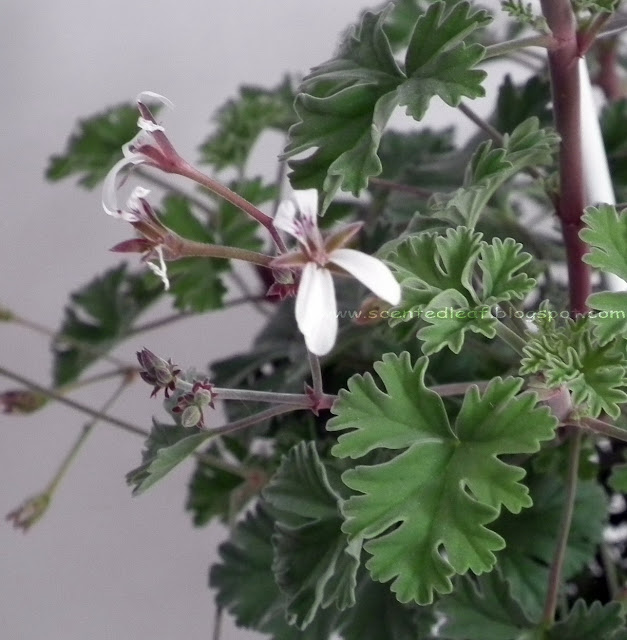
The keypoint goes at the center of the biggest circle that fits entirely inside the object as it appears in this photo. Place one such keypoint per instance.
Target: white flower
(150, 146)
(316, 311)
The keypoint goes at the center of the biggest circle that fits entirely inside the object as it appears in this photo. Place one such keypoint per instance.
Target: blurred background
(102, 564)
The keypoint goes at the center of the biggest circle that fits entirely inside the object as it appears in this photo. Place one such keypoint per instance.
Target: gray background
(101, 564)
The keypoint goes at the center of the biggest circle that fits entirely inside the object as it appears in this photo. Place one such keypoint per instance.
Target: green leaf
(606, 234)
(601, 622)
(618, 479)
(438, 63)
(485, 610)
(527, 146)
(314, 565)
(517, 103)
(210, 491)
(428, 265)
(570, 355)
(500, 263)
(530, 537)
(438, 495)
(166, 447)
(449, 318)
(195, 283)
(96, 146)
(100, 315)
(241, 121)
(615, 140)
(246, 587)
(345, 103)
(343, 107)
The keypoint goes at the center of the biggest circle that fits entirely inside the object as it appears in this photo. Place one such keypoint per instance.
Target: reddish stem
(608, 78)
(563, 67)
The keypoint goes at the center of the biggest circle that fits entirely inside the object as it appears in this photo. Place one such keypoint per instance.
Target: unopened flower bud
(157, 372)
(21, 401)
(29, 512)
(191, 416)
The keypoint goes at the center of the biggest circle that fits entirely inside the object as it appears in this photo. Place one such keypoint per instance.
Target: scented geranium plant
(426, 439)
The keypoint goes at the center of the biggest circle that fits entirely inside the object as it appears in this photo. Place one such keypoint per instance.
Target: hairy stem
(188, 171)
(570, 202)
(502, 48)
(557, 564)
(184, 248)
(510, 337)
(601, 428)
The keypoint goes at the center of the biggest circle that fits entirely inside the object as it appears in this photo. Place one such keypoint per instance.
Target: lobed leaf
(425, 510)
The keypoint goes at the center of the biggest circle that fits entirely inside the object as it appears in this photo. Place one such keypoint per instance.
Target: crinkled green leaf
(570, 355)
(345, 103)
(604, 6)
(501, 263)
(449, 318)
(96, 146)
(343, 107)
(517, 103)
(166, 447)
(100, 315)
(246, 586)
(428, 265)
(426, 509)
(211, 490)
(525, 565)
(527, 146)
(598, 621)
(314, 564)
(522, 11)
(606, 235)
(241, 121)
(482, 610)
(438, 63)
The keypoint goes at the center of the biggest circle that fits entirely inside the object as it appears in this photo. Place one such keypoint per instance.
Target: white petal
(155, 96)
(160, 270)
(598, 184)
(306, 202)
(370, 271)
(285, 218)
(133, 204)
(141, 138)
(109, 192)
(316, 312)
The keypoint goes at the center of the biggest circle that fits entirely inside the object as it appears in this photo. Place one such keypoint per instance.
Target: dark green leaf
(241, 121)
(100, 315)
(96, 146)
(166, 447)
(601, 622)
(482, 610)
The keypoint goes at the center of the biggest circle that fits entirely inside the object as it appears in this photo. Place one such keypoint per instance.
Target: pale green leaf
(427, 508)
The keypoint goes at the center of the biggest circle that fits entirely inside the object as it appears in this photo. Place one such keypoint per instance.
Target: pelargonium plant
(426, 439)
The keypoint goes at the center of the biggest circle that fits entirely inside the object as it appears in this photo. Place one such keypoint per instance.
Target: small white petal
(155, 96)
(285, 218)
(149, 125)
(370, 271)
(109, 192)
(160, 270)
(316, 311)
(133, 203)
(306, 202)
(141, 138)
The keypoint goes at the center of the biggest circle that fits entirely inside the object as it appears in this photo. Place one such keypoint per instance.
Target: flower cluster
(190, 405)
(315, 260)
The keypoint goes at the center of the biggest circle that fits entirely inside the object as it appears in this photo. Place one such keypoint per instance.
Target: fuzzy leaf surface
(526, 566)
(100, 315)
(345, 103)
(166, 447)
(482, 611)
(314, 564)
(446, 485)
(96, 146)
